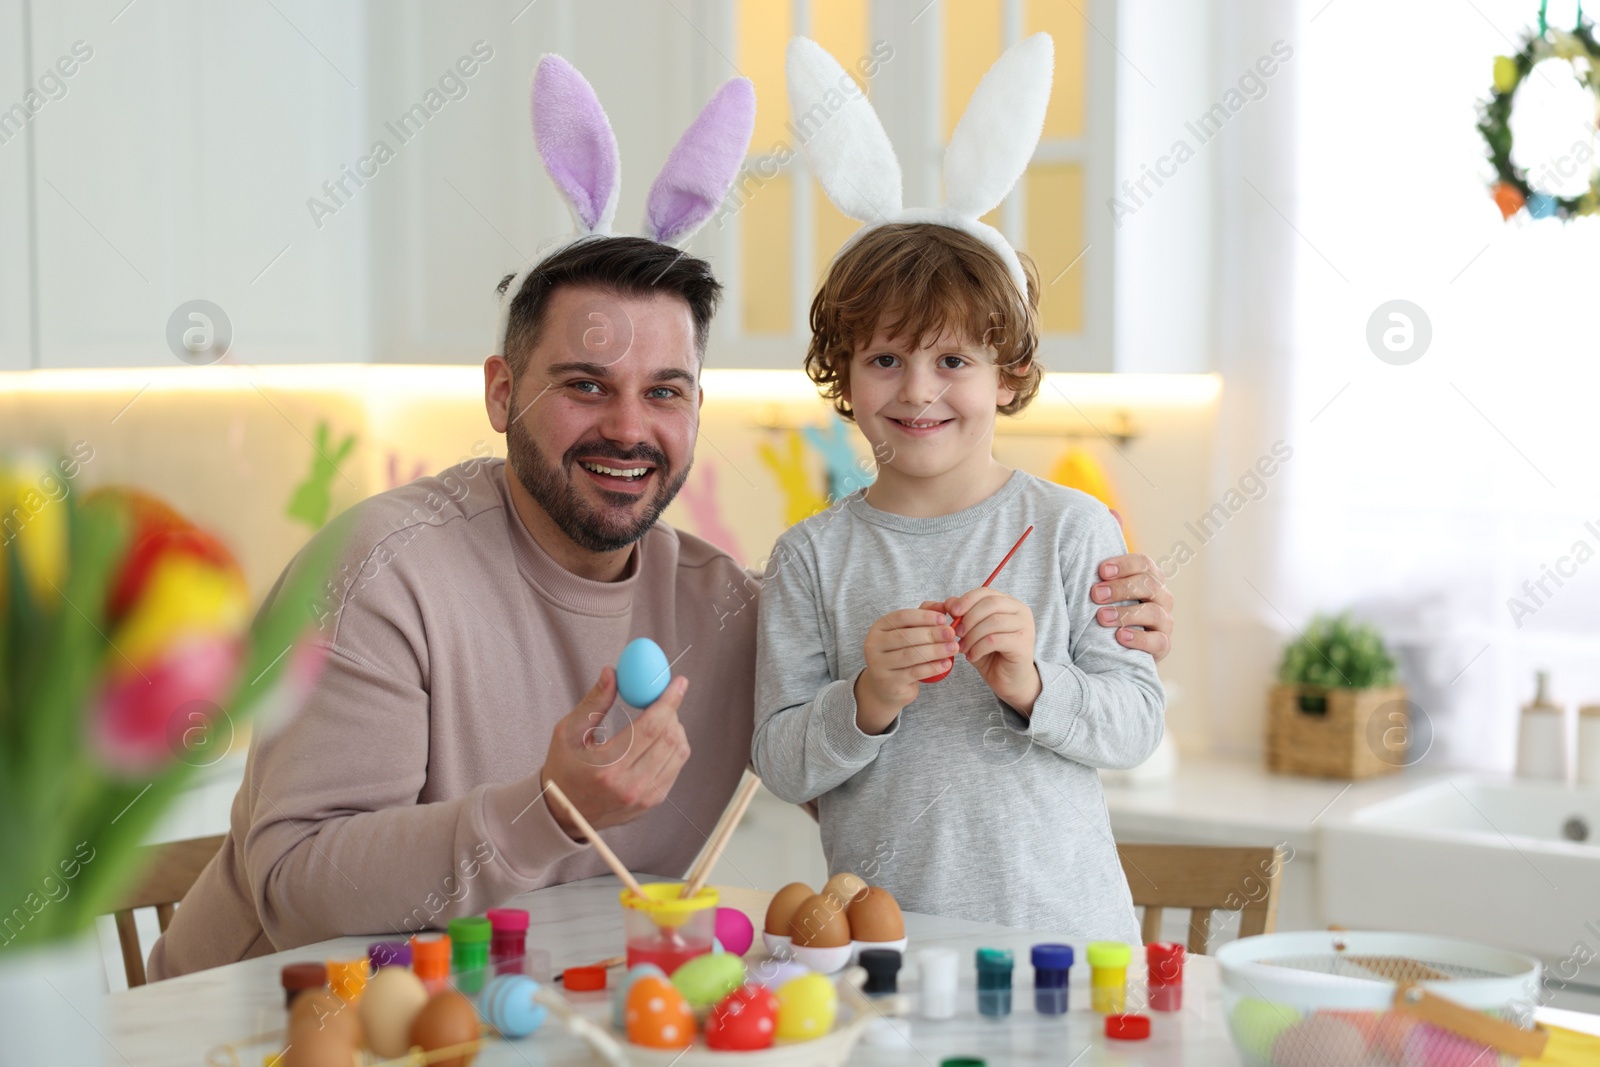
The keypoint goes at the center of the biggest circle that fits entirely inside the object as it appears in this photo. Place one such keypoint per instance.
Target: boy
(976, 796)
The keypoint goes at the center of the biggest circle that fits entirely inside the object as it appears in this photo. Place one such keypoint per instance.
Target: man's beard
(589, 527)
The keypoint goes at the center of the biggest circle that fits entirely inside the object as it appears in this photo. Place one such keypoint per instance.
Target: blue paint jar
(1050, 966)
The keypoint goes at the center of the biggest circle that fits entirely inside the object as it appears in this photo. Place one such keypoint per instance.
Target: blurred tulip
(1508, 198)
(183, 596)
(144, 718)
(33, 527)
(151, 547)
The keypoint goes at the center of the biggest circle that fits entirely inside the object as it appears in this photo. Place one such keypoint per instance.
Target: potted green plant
(1337, 711)
(126, 643)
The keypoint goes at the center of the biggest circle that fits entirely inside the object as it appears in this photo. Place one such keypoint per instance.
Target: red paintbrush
(955, 620)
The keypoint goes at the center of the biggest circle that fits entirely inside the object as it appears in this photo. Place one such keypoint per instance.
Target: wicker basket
(1337, 733)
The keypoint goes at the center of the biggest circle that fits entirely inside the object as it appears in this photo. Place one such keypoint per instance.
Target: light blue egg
(642, 672)
(509, 1007)
(619, 995)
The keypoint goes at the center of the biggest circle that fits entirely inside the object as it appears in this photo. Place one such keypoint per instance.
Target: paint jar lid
(1052, 957)
(509, 920)
(583, 979)
(299, 976)
(1128, 1027)
(882, 966)
(1163, 961)
(430, 955)
(994, 959)
(470, 930)
(1108, 954)
(389, 954)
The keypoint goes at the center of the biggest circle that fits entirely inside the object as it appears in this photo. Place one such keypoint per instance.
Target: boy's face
(927, 409)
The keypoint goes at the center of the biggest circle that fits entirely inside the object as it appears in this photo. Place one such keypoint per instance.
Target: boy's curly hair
(921, 280)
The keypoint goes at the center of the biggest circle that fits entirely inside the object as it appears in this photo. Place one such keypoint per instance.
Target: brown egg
(876, 917)
(322, 1009)
(819, 922)
(845, 887)
(312, 1047)
(447, 1019)
(784, 901)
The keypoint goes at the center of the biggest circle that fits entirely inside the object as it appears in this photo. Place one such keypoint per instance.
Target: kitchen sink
(1510, 862)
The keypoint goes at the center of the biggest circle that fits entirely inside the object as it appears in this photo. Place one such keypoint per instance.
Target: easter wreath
(1510, 189)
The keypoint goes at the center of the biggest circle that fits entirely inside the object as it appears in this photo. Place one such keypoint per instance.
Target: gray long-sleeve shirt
(962, 807)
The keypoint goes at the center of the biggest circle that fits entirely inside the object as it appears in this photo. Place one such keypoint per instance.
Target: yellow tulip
(1505, 74)
(34, 525)
(184, 596)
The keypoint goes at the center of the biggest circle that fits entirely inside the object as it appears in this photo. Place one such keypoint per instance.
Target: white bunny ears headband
(856, 166)
(579, 151)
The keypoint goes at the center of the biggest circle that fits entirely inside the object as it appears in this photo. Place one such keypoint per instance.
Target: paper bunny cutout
(850, 155)
(579, 152)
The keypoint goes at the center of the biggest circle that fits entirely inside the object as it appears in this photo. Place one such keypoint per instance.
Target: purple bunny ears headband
(579, 152)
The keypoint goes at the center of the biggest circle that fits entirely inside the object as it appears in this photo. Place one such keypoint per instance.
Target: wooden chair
(1205, 880)
(170, 870)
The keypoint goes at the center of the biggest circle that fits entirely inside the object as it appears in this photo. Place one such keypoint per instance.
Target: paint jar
(299, 977)
(469, 953)
(348, 978)
(666, 929)
(1163, 961)
(389, 954)
(994, 982)
(936, 970)
(1108, 976)
(1051, 963)
(430, 961)
(508, 941)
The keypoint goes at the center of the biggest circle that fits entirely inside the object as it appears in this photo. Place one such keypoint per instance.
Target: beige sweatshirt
(406, 791)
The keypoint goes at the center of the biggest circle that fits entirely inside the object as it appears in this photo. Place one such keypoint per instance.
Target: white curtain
(1422, 495)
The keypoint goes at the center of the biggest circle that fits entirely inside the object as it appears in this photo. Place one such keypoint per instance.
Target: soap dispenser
(1542, 736)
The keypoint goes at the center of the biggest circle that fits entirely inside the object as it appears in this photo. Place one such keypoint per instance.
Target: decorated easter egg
(819, 922)
(806, 1008)
(1320, 1041)
(642, 672)
(735, 931)
(657, 1015)
(782, 908)
(704, 980)
(1257, 1023)
(845, 888)
(507, 1004)
(619, 995)
(773, 973)
(1429, 1046)
(875, 916)
(389, 1007)
(447, 1019)
(745, 1020)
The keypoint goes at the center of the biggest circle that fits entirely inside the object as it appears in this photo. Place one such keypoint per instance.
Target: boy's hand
(901, 649)
(997, 635)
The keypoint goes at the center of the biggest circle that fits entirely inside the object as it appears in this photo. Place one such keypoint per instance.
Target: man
(469, 647)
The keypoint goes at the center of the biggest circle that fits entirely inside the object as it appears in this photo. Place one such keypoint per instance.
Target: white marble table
(175, 1023)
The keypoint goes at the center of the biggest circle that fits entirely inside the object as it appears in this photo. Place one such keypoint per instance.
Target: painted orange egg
(657, 1015)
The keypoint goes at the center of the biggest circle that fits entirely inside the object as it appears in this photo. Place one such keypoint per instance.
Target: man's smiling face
(603, 418)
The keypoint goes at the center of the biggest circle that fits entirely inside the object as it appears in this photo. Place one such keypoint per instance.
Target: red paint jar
(508, 939)
(1164, 975)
